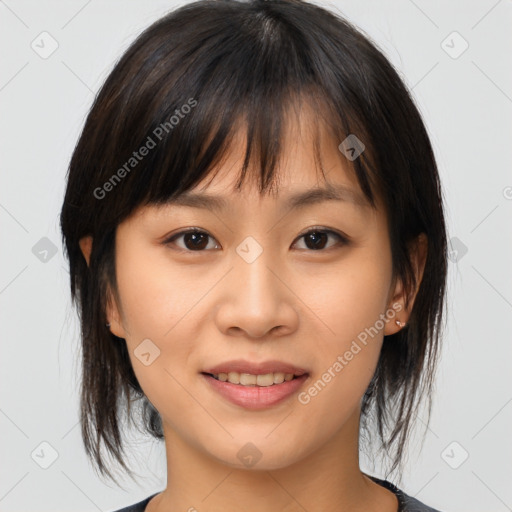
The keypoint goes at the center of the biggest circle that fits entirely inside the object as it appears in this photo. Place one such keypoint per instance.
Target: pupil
(317, 237)
(197, 239)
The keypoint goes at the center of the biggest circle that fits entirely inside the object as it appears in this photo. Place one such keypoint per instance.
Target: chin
(258, 454)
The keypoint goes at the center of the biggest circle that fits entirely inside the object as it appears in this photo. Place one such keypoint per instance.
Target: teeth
(246, 379)
(233, 377)
(278, 377)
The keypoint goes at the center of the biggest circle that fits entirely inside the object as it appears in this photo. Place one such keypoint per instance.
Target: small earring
(400, 324)
(108, 324)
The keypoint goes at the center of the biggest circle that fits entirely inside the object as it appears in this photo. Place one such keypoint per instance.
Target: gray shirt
(406, 503)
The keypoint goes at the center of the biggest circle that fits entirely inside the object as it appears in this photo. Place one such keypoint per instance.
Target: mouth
(255, 386)
(248, 379)
(233, 371)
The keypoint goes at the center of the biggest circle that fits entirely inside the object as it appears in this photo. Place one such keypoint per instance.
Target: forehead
(300, 186)
(310, 169)
(301, 174)
(289, 196)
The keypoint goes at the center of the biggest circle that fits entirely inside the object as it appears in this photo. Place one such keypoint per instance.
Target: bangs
(185, 100)
(265, 132)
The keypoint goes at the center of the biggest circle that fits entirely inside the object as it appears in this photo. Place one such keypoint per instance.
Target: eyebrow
(295, 201)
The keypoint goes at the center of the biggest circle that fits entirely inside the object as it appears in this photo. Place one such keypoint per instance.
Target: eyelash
(343, 239)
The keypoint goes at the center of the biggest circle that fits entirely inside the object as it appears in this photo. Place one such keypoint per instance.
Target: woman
(254, 224)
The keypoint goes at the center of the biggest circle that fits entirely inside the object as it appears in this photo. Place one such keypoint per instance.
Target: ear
(86, 247)
(112, 312)
(113, 315)
(399, 299)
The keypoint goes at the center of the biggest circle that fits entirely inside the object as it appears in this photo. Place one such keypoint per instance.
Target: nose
(257, 301)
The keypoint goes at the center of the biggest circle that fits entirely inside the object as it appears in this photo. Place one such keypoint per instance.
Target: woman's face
(251, 285)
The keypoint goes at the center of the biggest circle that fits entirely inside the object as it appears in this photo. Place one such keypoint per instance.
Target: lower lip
(256, 397)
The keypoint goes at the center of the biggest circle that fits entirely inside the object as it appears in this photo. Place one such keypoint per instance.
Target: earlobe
(396, 313)
(399, 300)
(114, 323)
(113, 320)
(86, 247)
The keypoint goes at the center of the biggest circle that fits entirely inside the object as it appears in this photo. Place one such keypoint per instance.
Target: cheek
(156, 294)
(350, 299)
(340, 306)
(351, 306)
(156, 299)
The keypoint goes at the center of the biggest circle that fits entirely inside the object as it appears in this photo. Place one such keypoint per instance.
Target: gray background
(466, 101)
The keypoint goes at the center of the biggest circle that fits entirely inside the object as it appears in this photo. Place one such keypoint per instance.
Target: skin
(293, 303)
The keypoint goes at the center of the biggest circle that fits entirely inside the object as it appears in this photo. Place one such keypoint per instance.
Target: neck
(327, 479)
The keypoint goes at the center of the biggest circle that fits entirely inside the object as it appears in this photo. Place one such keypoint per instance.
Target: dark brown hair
(186, 83)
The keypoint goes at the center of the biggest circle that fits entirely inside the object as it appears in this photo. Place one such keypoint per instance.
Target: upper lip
(262, 368)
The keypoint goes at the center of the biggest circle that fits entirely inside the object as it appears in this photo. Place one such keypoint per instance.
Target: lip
(255, 397)
(262, 368)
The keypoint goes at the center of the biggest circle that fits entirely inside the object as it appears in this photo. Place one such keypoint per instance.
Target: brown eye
(193, 240)
(317, 239)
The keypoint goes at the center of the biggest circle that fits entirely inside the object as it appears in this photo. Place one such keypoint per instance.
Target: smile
(247, 379)
(249, 394)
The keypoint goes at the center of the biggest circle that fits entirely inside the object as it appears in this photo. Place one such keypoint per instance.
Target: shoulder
(137, 507)
(413, 505)
(406, 503)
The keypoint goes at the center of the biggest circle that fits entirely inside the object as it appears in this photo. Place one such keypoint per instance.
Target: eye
(315, 239)
(193, 239)
(196, 240)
